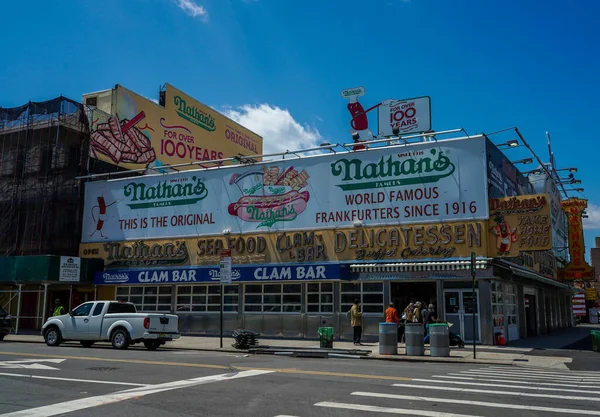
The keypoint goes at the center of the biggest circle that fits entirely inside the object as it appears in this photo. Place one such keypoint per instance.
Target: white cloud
(192, 8)
(593, 221)
(280, 131)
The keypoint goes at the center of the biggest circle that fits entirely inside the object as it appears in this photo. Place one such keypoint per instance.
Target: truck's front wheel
(120, 339)
(52, 336)
(151, 344)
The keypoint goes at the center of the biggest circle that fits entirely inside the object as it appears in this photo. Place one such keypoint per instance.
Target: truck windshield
(114, 308)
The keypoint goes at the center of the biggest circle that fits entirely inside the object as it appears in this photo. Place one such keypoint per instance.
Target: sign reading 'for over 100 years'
(418, 183)
(406, 116)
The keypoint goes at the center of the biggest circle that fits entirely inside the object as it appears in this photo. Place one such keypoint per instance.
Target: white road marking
(527, 381)
(389, 410)
(546, 377)
(92, 381)
(30, 364)
(479, 403)
(525, 371)
(529, 368)
(83, 403)
(507, 393)
(481, 384)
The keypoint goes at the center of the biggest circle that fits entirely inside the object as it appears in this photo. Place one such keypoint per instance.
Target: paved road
(39, 381)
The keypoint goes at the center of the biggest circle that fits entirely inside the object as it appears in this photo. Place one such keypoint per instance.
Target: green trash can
(596, 340)
(326, 337)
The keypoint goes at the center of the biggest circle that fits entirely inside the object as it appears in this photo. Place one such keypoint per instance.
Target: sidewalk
(497, 355)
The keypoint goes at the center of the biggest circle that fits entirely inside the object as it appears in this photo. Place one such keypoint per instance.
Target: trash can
(439, 339)
(414, 333)
(326, 337)
(388, 339)
(596, 340)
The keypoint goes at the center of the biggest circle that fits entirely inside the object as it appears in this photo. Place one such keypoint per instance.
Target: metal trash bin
(439, 340)
(595, 340)
(388, 338)
(414, 333)
(326, 337)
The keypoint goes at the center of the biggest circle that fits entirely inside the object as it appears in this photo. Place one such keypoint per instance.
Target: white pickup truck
(114, 321)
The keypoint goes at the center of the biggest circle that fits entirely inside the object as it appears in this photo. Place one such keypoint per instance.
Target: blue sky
(278, 65)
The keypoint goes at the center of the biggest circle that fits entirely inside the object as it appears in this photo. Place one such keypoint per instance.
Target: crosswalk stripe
(389, 410)
(481, 384)
(525, 371)
(540, 370)
(479, 403)
(508, 393)
(507, 379)
(516, 374)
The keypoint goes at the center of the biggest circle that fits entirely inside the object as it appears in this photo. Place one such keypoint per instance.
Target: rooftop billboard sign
(430, 182)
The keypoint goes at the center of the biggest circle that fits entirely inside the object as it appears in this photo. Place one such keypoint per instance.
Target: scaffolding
(43, 148)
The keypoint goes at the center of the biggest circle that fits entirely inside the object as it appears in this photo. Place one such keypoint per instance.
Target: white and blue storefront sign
(242, 273)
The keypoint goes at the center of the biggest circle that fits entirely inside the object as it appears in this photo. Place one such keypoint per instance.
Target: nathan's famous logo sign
(193, 114)
(519, 224)
(174, 192)
(270, 195)
(403, 169)
(139, 253)
(138, 133)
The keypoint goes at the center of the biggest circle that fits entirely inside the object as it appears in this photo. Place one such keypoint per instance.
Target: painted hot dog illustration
(270, 195)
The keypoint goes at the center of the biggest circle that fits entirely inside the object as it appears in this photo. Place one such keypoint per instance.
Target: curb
(391, 358)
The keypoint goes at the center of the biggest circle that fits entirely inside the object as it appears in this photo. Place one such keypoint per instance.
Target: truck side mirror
(71, 313)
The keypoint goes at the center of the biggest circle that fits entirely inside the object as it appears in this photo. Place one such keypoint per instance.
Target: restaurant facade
(308, 235)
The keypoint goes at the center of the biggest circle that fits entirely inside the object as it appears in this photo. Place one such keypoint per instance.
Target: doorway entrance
(530, 315)
(459, 307)
(402, 293)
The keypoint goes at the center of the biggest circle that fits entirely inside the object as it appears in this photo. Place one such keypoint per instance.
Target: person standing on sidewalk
(356, 321)
(391, 315)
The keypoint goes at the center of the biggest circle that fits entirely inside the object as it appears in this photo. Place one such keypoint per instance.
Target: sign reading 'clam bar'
(415, 184)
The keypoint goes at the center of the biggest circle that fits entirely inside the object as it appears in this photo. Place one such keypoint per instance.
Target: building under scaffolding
(43, 149)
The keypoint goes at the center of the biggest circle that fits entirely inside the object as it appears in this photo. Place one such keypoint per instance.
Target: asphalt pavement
(36, 380)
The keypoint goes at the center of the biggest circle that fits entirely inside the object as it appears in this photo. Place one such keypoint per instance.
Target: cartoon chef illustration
(360, 122)
(505, 236)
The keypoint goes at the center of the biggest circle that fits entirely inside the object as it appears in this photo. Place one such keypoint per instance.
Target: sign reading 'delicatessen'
(245, 273)
(417, 183)
(519, 224)
(428, 241)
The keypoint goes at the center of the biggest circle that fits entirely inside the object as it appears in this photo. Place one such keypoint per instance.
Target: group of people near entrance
(414, 312)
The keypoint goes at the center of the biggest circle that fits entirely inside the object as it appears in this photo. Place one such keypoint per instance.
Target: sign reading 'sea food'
(406, 184)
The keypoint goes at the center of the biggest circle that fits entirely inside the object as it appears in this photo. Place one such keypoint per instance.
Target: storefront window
(273, 298)
(319, 297)
(497, 304)
(511, 304)
(146, 299)
(369, 293)
(207, 298)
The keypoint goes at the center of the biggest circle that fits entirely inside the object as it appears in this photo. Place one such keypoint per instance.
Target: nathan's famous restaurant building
(309, 235)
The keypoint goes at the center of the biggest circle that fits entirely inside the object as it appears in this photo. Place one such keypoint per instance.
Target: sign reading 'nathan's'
(519, 224)
(414, 184)
(140, 133)
(429, 241)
